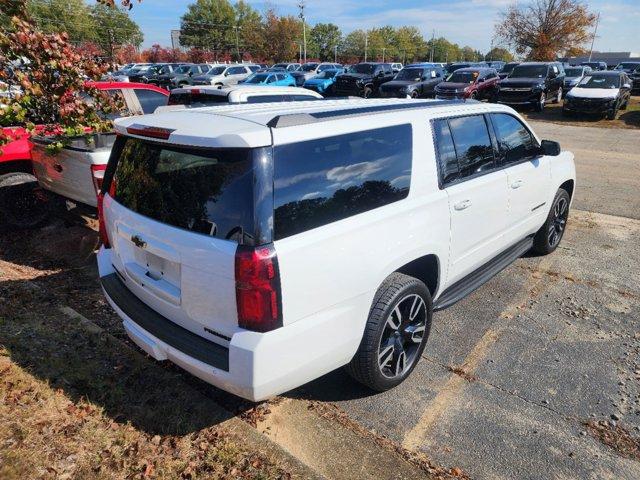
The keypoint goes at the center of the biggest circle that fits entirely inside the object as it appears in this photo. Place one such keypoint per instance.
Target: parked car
(122, 75)
(152, 74)
(17, 179)
(507, 69)
(221, 75)
(275, 79)
(497, 64)
(413, 81)
(279, 201)
(182, 76)
(595, 65)
(324, 82)
(534, 84)
(310, 70)
(573, 76)
(601, 93)
(452, 67)
(208, 96)
(635, 80)
(477, 83)
(396, 67)
(627, 67)
(363, 79)
(289, 67)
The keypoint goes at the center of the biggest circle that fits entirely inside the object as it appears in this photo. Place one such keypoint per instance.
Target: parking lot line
(415, 437)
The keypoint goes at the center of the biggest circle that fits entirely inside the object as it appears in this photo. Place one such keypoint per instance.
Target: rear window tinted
(150, 100)
(202, 190)
(325, 180)
(196, 99)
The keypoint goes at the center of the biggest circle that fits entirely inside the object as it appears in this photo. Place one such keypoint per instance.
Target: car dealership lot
(509, 377)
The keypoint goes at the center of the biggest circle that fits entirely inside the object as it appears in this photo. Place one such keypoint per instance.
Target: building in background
(175, 39)
(611, 58)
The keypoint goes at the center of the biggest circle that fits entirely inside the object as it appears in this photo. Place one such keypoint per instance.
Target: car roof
(251, 125)
(608, 73)
(475, 69)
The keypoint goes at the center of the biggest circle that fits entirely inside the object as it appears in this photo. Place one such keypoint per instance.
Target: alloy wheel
(559, 222)
(402, 336)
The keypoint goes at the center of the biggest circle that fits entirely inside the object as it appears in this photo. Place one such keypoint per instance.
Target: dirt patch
(628, 119)
(616, 437)
(461, 372)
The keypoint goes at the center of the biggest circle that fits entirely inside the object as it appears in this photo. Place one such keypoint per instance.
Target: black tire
(414, 94)
(612, 114)
(367, 92)
(546, 240)
(474, 96)
(22, 202)
(541, 102)
(396, 293)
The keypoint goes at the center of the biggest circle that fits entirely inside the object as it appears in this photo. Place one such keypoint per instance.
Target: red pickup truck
(17, 206)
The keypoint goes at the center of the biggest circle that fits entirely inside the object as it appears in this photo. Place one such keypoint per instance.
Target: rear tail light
(258, 296)
(97, 175)
(102, 228)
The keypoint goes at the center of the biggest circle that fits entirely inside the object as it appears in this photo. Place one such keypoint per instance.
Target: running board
(479, 277)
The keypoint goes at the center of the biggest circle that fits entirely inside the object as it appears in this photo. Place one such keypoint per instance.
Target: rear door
(528, 175)
(174, 216)
(477, 191)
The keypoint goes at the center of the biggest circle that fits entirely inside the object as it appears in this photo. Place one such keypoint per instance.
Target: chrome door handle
(462, 205)
(517, 184)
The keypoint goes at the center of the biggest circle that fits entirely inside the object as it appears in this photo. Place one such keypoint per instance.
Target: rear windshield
(196, 99)
(600, 81)
(529, 71)
(208, 191)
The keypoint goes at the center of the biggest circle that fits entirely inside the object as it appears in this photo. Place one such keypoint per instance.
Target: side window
(271, 78)
(237, 71)
(150, 100)
(514, 140)
(473, 144)
(325, 180)
(447, 159)
(279, 76)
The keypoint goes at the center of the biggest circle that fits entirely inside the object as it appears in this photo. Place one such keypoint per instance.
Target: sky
(466, 22)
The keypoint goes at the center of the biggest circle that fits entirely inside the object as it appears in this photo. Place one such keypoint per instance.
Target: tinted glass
(237, 71)
(463, 76)
(196, 99)
(574, 72)
(446, 151)
(322, 181)
(529, 71)
(412, 74)
(600, 81)
(473, 145)
(366, 68)
(216, 71)
(257, 78)
(514, 140)
(150, 100)
(266, 98)
(202, 190)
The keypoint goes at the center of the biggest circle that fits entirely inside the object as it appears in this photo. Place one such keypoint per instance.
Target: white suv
(262, 246)
(221, 75)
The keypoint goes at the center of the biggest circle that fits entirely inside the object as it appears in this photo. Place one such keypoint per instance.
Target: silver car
(573, 77)
(222, 75)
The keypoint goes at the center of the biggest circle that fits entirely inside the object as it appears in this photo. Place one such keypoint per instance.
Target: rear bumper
(255, 366)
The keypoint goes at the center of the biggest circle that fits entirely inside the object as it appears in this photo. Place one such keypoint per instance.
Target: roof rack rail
(297, 119)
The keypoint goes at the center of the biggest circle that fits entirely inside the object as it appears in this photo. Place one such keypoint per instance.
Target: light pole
(335, 54)
(301, 6)
(383, 50)
(366, 45)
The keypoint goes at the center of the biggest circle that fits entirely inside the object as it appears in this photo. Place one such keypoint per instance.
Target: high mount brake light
(151, 132)
(258, 296)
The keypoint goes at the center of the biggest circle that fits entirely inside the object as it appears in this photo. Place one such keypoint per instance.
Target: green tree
(382, 43)
(113, 28)
(409, 44)
(325, 37)
(249, 24)
(209, 24)
(279, 37)
(70, 16)
(353, 45)
(498, 53)
(443, 50)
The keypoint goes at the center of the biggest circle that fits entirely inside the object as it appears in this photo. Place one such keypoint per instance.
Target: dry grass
(616, 437)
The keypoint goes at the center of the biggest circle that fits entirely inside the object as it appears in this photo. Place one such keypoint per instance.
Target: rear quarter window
(321, 181)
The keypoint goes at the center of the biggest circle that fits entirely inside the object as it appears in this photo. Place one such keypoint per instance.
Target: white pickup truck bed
(69, 172)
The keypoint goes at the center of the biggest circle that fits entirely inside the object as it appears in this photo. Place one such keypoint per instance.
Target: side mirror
(550, 148)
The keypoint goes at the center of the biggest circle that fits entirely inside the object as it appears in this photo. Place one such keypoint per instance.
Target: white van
(261, 246)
